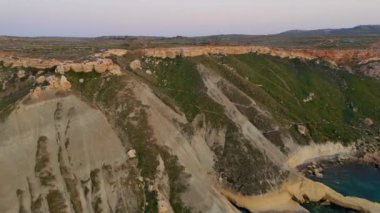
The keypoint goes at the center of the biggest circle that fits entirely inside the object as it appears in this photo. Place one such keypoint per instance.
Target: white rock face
(73, 143)
(304, 153)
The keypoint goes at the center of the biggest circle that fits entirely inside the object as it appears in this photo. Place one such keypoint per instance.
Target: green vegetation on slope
(281, 85)
(151, 203)
(130, 119)
(243, 167)
(180, 80)
(177, 178)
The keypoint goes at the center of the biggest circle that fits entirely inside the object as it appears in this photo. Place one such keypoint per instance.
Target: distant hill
(362, 30)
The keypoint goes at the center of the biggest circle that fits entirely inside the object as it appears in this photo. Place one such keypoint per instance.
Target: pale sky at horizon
(179, 17)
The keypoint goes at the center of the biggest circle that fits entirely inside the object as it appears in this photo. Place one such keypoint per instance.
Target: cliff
(98, 62)
(366, 59)
(332, 56)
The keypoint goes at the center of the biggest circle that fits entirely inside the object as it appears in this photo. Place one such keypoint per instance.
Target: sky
(179, 17)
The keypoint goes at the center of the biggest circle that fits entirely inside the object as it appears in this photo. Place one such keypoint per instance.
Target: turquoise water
(349, 179)
(353, 179)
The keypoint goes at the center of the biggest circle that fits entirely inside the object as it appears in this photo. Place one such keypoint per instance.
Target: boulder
(135, 65)
(368, 122)
(131, 154)
(302, 129)
(21, 74)
(309, 98)
(41, 79)
(141, 179)
(148, 72)
(318, 175)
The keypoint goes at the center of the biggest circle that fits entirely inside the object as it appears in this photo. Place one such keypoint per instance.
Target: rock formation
(368, 59)
(98, 64)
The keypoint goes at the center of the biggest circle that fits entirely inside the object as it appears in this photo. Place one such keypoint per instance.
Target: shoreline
(292, 193)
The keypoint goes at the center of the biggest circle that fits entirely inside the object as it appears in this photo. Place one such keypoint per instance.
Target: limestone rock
(64, 83)
(40, 72)
(302, 129)
(60, 69)
(318, 175)
(114, 69)
(37, 93)
(309, 98)
(41, 79)
(116, 52)
(88, 67)
(59, 83)
(21, 74)
(100, 68)
(76, 67)
(135, 65)
(368, 122)
(148, 72)
(132, 154)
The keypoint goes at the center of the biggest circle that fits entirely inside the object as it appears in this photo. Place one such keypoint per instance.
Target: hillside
(361, 30)
(181, 129)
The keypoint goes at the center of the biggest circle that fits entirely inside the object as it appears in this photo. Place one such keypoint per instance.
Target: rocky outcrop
(112, 52)
(368, 59)
(99, 63)
(371, 69)
(58, 83)
(332, 56)
(372, 158)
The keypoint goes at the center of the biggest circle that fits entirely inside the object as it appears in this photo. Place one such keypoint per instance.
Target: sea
(350, 179)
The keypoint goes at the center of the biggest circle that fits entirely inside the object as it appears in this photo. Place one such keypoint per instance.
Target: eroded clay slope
(58, 154)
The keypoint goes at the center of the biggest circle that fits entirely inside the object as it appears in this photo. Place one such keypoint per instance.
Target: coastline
(298, 189)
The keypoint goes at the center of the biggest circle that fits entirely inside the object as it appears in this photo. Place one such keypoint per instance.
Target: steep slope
(181, 129)
(60, 155)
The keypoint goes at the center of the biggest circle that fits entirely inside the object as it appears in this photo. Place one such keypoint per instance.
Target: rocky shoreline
(310, 162)
(296, 191)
